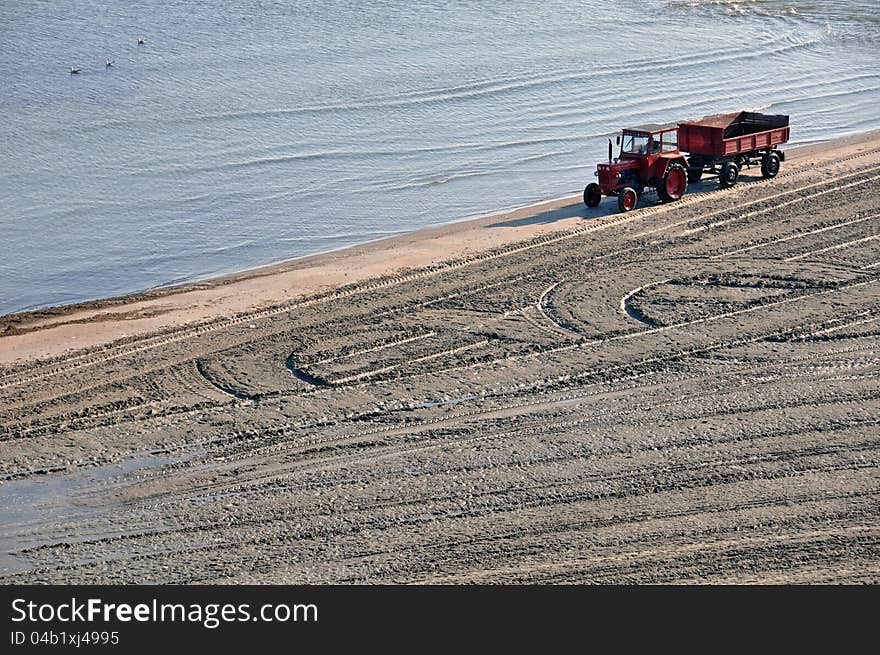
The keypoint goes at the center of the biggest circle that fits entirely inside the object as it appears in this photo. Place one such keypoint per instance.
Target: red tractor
(717, 145)
(649, 157)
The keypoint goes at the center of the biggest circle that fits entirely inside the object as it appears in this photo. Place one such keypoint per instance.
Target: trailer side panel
(752, 142)
(732, 134)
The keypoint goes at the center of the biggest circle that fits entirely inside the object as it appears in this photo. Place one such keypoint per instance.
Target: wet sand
(685, 393)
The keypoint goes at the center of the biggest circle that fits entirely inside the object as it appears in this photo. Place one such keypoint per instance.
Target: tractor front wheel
(729, 174)
(592, 195)
(770, 165)
(673, 185)
(627, 199)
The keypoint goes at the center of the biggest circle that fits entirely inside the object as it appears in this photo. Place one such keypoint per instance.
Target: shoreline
(52, 331)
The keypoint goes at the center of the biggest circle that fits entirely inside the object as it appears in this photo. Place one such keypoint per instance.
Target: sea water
(245, 132)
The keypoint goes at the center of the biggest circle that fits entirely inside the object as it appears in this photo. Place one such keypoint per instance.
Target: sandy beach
(684, 393)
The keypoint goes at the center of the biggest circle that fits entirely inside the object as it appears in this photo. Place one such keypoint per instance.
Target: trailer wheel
(627, 199)
(729, 174)
(694, 175)
(674, 184)
(770, 165)
(592, 195)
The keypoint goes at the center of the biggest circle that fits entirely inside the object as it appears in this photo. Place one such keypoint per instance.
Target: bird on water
(141, 40)
(75, 71)
(109, 63)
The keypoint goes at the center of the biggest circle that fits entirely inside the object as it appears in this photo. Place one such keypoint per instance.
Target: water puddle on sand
(53, 507)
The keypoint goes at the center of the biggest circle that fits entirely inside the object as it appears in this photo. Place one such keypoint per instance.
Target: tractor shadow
(575, 209)
(608, 205)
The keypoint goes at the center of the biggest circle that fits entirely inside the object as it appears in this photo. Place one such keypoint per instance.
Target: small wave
(416, 183)
(826, 96)
(339, 236)
(736, 8)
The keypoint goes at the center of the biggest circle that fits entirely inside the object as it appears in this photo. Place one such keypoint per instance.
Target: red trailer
(721, 145)
(667, 157)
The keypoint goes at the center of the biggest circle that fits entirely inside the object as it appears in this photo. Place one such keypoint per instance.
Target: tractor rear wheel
(592, 195)
(770, 165)
(627, 198)
(673, 185)
(729, 174)
(694, 175)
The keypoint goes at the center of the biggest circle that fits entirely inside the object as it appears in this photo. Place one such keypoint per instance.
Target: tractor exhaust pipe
(610, 151)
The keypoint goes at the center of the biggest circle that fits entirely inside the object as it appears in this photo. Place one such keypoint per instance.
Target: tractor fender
(654, 181)
(678, 160)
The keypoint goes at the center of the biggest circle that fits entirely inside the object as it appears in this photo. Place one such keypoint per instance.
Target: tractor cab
(645, 159)
(641, 142)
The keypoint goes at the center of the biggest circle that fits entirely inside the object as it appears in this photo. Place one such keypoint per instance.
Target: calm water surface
(247, 132)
